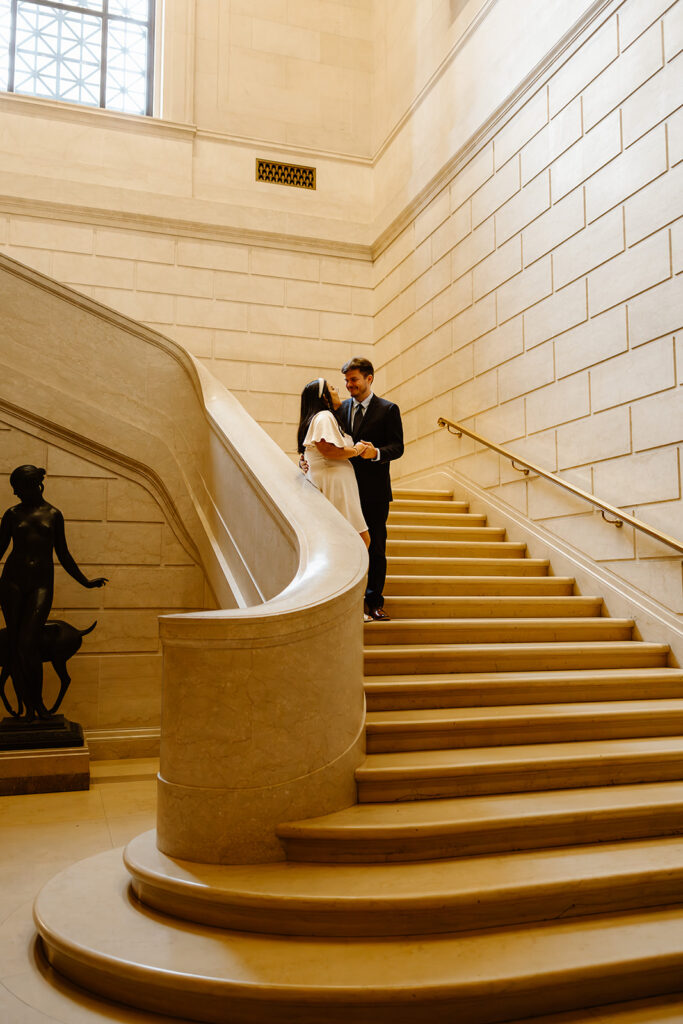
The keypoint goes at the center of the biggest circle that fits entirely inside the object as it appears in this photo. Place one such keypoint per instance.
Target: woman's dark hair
(312, 401)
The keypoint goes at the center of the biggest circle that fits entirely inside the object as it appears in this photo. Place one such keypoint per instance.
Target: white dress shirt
(365, 403)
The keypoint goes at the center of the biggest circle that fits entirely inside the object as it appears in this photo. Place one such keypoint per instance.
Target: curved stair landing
(516, 851)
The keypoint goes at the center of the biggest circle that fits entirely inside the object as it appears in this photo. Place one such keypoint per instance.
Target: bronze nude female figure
(36, 530)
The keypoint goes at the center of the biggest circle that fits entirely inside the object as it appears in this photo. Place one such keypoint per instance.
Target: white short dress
(334, 477)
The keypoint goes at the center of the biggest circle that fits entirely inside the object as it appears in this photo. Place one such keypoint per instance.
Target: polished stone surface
(216, 975)
(41, 835)
(411, 898)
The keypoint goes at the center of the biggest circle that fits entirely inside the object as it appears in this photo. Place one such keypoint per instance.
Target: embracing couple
(365, 431)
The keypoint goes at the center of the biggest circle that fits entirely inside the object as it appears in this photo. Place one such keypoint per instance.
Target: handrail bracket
(520, 469)
(613, 522)
(453, 430)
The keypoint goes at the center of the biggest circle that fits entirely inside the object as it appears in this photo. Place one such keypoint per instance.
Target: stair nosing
(519, 757)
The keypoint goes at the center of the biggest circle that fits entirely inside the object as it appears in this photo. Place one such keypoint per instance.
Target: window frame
(106, 18)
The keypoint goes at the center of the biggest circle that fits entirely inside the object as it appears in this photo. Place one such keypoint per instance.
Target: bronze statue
(36, 530)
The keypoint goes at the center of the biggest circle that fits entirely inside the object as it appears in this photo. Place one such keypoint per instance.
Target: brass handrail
(620, 517)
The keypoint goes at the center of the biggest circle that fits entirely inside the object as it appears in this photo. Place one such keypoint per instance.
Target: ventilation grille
(285, 174)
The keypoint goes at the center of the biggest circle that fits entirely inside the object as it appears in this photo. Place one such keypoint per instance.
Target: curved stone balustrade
(263, 709)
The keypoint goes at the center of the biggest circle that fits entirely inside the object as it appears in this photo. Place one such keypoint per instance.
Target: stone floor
(39, 836)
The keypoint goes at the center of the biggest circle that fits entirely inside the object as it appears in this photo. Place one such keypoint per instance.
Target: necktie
(358, 412)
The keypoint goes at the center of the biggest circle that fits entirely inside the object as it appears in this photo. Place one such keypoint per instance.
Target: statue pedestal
(44, 756)
(40, 734)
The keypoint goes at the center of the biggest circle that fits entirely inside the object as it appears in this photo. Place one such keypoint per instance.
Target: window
(96, 52)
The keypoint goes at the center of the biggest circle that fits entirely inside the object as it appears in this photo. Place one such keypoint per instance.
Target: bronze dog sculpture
(59, 641)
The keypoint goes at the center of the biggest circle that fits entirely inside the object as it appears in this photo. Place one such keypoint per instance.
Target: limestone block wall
(115, 527)
(445, 72)
(538, 297)
(411, 42)
(289, 71)
(264, 320)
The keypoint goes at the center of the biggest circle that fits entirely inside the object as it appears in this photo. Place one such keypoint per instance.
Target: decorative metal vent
(285, 174)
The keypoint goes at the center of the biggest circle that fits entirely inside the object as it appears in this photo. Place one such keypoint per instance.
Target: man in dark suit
(377, 421)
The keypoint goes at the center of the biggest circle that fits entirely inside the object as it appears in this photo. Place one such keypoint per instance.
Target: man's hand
(303, 465)
(369, 452)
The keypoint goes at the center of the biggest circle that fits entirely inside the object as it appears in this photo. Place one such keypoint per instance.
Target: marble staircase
(516, 851)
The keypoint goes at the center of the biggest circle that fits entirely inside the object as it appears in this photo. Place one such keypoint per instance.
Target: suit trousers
(376, 514)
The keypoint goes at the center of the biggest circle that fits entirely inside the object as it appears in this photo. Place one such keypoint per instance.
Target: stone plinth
(44, 756)
(53, 770)
(40, 734)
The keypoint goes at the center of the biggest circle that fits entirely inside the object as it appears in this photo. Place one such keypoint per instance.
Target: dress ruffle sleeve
(324, 427)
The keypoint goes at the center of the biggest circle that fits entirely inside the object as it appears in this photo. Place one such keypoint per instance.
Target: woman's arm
(66, 558)
(333, 451)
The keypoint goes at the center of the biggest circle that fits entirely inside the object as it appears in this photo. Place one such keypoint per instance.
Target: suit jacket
(382, 426)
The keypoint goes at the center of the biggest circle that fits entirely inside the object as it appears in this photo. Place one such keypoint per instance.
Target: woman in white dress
(328, 449)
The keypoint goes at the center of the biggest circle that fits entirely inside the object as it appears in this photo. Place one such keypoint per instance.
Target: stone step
(432, 774)
(468, 826)
(417, 898)
(455, 549)
(495, 631)
(498, 606)
(417, 729)
(414, 532)
(394, 692)
(409, 565)
(421, 494)
(657, 1010)
(428, 505)
(214, 975)
(429, 518)
(505, 657)
(419, 587)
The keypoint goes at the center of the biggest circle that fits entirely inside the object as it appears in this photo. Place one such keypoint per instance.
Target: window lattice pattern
(57, 54)
(285, 174)
(95, 52)
(127, 67)
(130, 9)
(5, 32)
